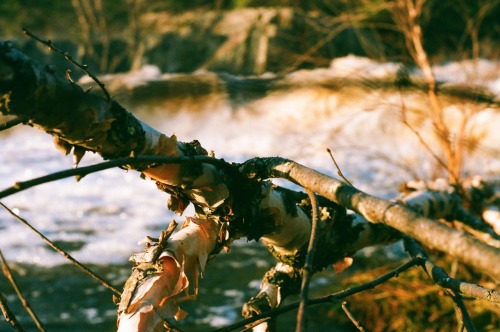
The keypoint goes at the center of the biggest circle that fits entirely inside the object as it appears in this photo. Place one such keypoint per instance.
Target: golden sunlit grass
(410, 302)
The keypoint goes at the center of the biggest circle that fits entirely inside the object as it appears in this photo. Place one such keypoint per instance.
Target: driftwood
(232, 201)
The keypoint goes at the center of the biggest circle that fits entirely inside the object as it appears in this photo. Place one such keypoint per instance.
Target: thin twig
(62, 252)
(306, 275)
(377, 210)
(250, 326)
(440, 277)
(331, 298)
(407, 15)
(10, 123)
(419, 137)
(462, 313)
(9, 316)
(82, 171)
(351, 317)
(8, 274)
(68, 57)
(339, 172)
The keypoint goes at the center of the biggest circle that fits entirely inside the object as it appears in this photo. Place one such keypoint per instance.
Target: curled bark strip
(156, 286)
(279, 282)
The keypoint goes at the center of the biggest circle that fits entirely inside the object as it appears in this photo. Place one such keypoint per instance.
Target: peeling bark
(430, 233)
(230, 201)
(152, 292)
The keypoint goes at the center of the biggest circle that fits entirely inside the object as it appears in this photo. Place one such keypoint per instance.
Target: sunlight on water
(110, 211)
(101, 218)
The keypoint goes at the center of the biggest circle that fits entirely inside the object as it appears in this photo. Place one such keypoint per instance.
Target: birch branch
(229, 203)
(430, 233)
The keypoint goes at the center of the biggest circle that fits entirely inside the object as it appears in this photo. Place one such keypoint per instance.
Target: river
(100, 219)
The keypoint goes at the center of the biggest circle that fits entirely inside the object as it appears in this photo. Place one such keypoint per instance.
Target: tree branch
(351, 317)
(230, 201)
(430, 233)
(10, 123)
(8, 274)
(308, 266)
(62, 252)
(440, 277)
(9, 316)
(331, 298)
(137, 162)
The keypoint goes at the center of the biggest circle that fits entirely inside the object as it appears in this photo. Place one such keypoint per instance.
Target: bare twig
(82, 171)
(440, 277)
(313, 49)
(62, 252)
(306, 275)
(8, 274)
(331, 298)
(339, 172)
(453, 242)
(422, 141)
(250, 326)
(407, 15)
(83, 21)
(68, 57)
(9, 316)
(463, 316)
(351, 317)
(336, 25)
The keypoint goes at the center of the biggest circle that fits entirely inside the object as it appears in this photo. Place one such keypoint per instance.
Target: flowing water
(100, 219)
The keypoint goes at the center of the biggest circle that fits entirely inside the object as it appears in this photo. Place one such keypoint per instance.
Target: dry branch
(430, 233)
(440, 277)
(331, 298)
(9, 316)
(351, 317)
(308, 265)
(62, 252)
(8, 274)
(230, 202)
